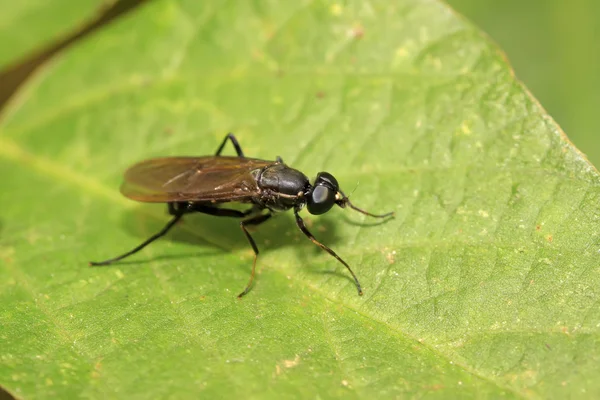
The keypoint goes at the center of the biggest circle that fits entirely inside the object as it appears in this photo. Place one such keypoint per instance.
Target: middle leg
(255, 218)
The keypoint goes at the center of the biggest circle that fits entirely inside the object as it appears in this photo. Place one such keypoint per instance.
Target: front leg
(309, 235)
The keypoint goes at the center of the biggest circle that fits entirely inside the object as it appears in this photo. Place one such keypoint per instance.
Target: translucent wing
(216, 179)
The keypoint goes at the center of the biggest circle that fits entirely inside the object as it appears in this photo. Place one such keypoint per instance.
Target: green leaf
(484, 285)
(28, 25)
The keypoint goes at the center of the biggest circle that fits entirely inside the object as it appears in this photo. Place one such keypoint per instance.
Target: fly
(202, 184)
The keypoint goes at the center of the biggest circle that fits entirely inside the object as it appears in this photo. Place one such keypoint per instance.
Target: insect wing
(215, 178)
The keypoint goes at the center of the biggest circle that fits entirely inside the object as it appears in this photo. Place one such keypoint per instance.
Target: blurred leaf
(484, 285)
(552, 45)
(28, 25)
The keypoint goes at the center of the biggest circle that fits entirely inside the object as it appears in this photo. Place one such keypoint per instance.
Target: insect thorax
(280, 186)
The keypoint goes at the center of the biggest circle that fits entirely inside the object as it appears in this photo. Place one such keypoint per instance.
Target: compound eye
(328, 179)
(320, 200)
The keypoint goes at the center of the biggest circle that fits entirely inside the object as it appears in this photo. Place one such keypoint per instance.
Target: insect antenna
(345, 201)
(352, 206)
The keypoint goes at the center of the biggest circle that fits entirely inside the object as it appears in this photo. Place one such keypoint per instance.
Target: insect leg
(235, 143)
(309, 235)
(177, 210)
(254, 220)
(151, 239)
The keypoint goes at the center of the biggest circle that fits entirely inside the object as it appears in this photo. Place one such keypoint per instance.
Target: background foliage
(485, 284)
(25, 26)
(553, 46)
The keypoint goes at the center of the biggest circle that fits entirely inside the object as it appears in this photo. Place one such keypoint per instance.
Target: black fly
(201, 184)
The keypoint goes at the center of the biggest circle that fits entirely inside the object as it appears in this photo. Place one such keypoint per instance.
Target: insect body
(203, 184)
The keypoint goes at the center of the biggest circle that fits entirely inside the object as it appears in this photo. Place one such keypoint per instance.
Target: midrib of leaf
(13, 152)
(135, 83)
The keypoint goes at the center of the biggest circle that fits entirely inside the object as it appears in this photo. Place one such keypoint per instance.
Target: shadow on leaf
(215, 236)
(221, 235)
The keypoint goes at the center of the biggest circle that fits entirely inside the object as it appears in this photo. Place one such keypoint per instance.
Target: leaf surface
(484, 285)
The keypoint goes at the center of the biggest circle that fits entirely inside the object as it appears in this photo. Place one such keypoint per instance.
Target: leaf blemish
(287, 364)
(292, 363)
(391, 257)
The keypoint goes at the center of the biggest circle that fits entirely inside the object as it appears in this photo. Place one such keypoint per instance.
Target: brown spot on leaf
(96, 370)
